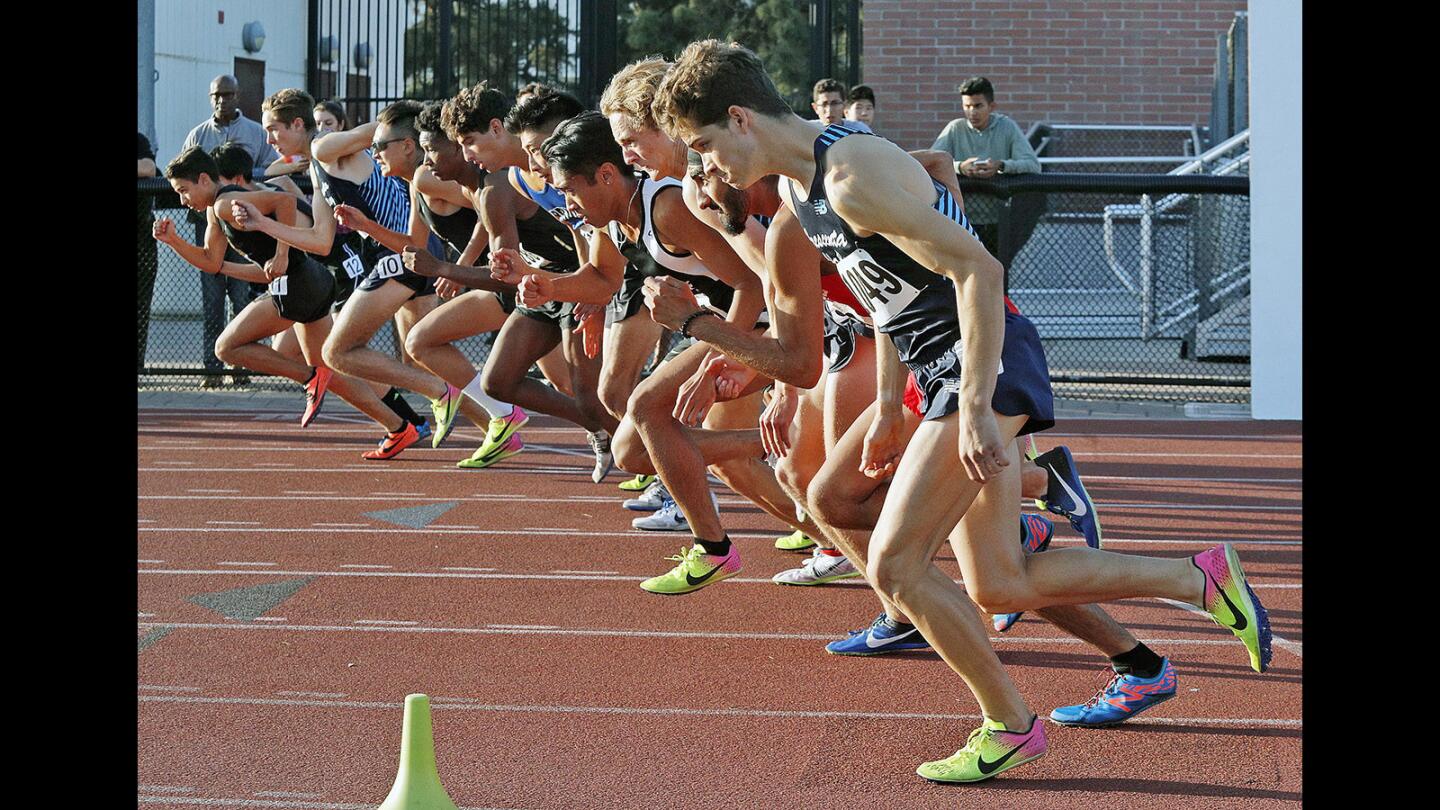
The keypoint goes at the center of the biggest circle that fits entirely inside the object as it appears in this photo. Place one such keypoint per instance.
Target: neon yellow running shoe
(445, 409)
(795, 541)
(989, 751)
(487, 456)
(637, 484)
(500, 430)
(696, 569)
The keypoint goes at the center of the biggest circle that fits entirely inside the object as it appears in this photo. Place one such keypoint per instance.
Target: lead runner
(892, 232)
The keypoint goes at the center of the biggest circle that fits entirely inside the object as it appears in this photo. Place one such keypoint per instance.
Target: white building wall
(192, 47)
(1275, 210)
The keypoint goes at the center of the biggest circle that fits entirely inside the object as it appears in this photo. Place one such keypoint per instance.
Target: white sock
(492, 406)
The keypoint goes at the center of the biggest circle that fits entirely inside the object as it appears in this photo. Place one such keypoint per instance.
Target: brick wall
(1063, 61)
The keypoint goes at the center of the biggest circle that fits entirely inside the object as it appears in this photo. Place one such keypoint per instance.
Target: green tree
(777, 30)
(508, 43)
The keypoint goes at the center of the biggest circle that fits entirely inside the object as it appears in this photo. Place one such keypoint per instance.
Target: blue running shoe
(1119, 700)
(1035, 534)
(882, 636)
(423, 430)
(1066, 495)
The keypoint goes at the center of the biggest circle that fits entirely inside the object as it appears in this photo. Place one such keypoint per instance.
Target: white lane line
(467, 705)
(234, 522)
(143, 520)
(387, 622)
(342, 525)
(270, 618)
(178, 463)
(490, 573)
(314, 694)
(166, 788)
(363, 565)
(542, 630)
(271, 464)
(287, 794)
(433, 529)
(462, 568)
(215, 491)
(523, 626)
(145, 615)
(1291, 647)
(160, 688)
(239, 562)
(308, 492)
(601, 573)
(409, 471)
(150, 561)
(400, 494)
(278, 804)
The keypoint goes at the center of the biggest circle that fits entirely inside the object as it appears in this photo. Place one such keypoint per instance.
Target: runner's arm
(597, 280)
(336, 145)
(210, 257)
(791, 349)
(676, 225)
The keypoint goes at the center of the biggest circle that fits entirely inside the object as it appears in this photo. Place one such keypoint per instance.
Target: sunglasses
(379, 146)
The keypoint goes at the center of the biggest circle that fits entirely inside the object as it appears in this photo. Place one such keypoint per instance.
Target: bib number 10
(389, 266)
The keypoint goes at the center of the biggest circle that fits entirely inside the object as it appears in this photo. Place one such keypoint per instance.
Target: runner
(522, 238)
(299, 290)
(720, 101)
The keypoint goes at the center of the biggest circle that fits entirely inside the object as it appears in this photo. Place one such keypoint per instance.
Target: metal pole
(145, 71)
(312, 47)
(444, 71)
(821, 46)
(855, 42)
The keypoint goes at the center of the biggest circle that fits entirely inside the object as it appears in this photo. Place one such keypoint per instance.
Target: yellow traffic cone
(417, 783)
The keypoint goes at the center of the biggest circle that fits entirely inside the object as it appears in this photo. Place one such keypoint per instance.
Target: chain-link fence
(1132, 149)
(1138, 284)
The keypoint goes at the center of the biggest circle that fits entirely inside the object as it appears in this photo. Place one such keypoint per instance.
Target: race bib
(882, 292)
(279, 286)
(389, 266)
(354, 267)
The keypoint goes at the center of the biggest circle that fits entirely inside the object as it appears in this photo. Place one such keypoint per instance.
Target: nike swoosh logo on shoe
(990, 767)
(1234, 611)
(870, 640)
(698, 580)
(1080, 509)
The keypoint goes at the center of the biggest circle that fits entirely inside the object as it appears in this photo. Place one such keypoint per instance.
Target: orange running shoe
(392, 444)
(315, 394)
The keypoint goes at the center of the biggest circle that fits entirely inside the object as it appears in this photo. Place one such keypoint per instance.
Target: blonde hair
(632, 90)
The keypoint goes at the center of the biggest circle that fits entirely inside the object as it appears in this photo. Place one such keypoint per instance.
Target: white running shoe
(669, 518)
(604, 460)
(651, 499)
(818, 570)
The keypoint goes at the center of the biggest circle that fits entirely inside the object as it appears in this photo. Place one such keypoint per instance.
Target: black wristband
(685, 326)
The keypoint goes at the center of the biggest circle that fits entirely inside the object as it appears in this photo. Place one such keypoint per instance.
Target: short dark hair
(289, 104)
(336, 109)
(192, 163)
(582, 144)
(547, 106)
(231, 160)
(860, 92)
(472, 110)
(827, 86)
(978, 86)
(707, 78)
(401, 116)
(429, 120)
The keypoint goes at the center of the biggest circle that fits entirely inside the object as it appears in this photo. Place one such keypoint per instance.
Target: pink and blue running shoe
(1119, 700)
(1035, 535)
(1066, 495)
(1232, 604)
(882, 636)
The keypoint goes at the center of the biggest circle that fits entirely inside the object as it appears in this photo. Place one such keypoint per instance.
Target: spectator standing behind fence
(227, 124)
(985, 143)
(827, 99)
(860, 105)
(144, 220)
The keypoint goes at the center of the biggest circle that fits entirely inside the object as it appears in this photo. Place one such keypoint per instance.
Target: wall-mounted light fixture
(329, 49)
(253, 36)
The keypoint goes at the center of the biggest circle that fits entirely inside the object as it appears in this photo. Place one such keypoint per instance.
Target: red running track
(281, 626)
